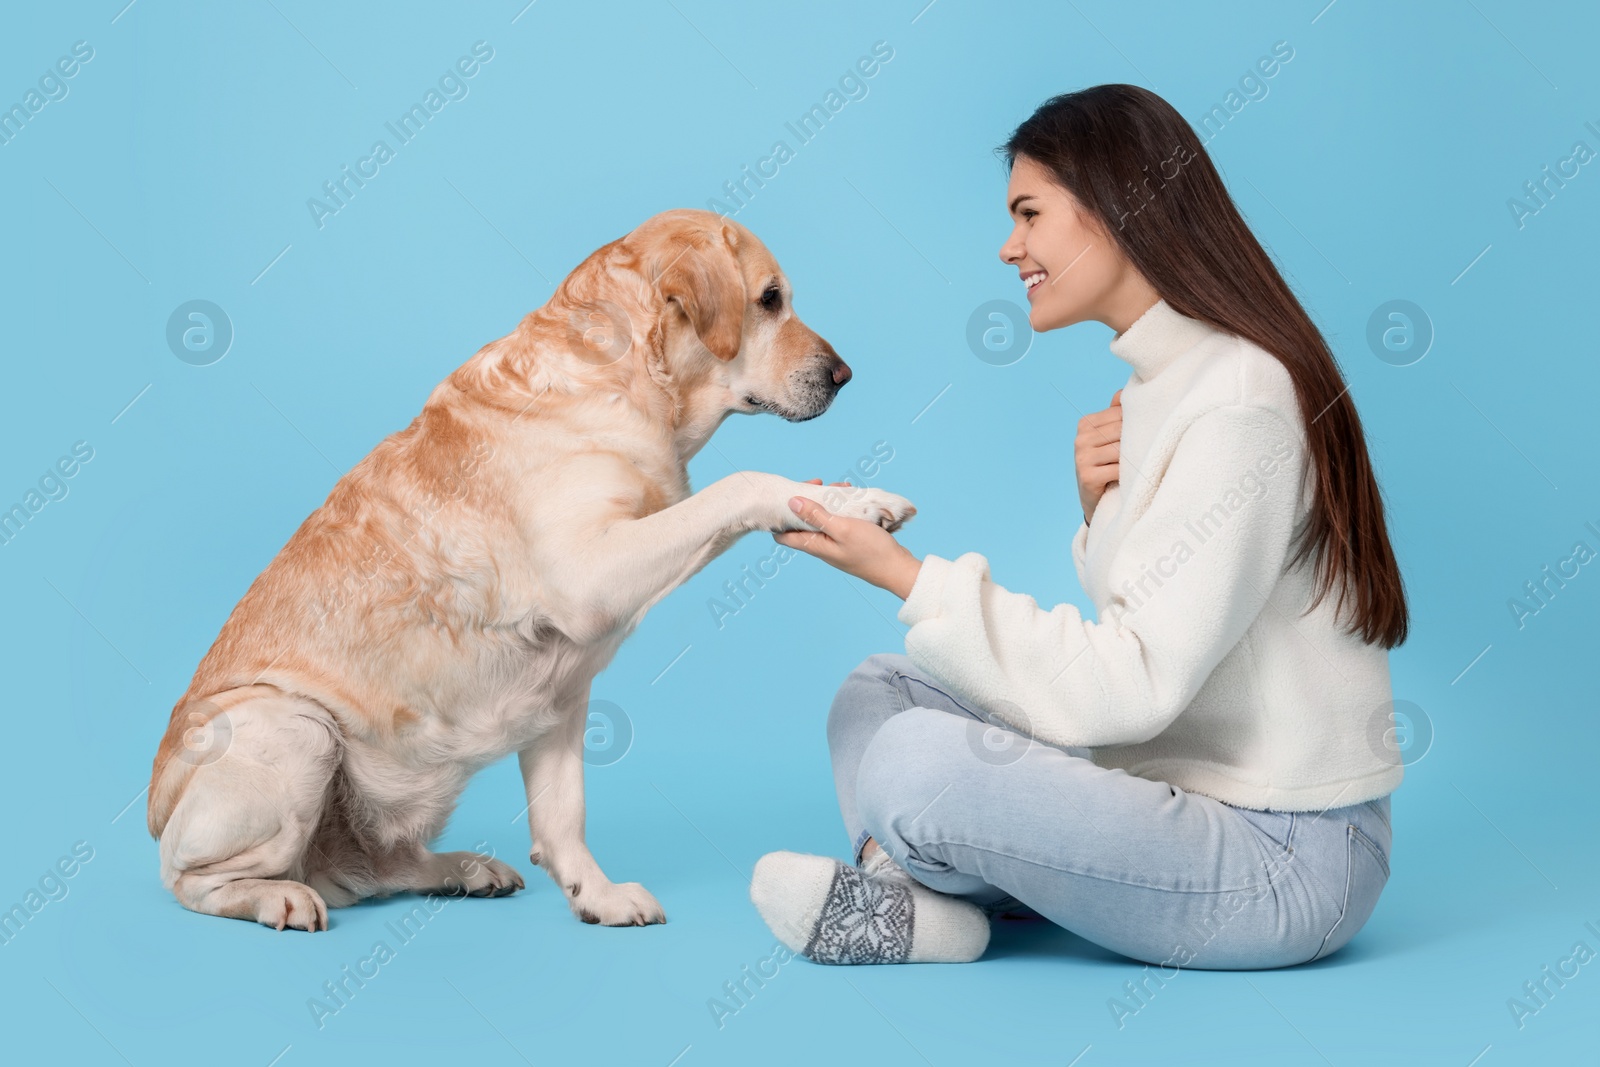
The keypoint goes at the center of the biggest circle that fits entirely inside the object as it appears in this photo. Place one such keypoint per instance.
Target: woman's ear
(701, 274)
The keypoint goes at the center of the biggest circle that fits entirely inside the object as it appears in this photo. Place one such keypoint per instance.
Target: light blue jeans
(1140, 867)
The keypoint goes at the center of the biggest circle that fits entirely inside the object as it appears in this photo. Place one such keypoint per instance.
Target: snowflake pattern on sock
(862, 921)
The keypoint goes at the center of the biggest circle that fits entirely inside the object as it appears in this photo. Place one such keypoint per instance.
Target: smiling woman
(1066, 263)
(1198, 757)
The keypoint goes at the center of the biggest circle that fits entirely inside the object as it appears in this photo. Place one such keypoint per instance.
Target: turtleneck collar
(1156, 338)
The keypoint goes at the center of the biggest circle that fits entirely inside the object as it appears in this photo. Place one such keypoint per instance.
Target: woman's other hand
(1096, 451)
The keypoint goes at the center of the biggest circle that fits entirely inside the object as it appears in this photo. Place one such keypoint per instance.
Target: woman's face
(1057, 242)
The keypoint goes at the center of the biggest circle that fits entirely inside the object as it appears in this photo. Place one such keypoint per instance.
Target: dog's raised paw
(888, 510)
(617, 904)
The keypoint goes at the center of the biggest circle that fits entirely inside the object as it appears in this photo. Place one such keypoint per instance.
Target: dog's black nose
(841, 373)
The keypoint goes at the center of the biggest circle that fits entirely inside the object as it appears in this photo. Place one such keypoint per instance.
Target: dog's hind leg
(446, 873)
(552, 772)
(236, 842)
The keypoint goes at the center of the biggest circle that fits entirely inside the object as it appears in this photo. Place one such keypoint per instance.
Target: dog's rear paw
(475, 875)
(289, 905)
(617, 904)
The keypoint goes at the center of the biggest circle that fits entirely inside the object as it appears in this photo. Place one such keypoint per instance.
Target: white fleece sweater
(1204, 669)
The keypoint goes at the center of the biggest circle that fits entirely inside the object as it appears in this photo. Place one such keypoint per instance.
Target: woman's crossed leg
(977, 819)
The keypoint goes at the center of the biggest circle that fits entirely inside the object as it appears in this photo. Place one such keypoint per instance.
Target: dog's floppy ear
(700, 271)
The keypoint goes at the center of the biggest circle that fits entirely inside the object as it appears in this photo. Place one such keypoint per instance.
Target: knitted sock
(831, 912)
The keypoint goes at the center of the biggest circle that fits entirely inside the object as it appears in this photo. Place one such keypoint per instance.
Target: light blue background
(1377, 167)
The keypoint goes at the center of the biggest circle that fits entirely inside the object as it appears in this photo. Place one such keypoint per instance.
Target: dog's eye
(772, 299)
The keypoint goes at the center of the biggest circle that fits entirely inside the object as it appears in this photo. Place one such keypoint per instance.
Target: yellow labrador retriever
(462, 585)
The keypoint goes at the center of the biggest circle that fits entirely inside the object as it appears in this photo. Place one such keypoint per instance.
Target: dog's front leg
(599, 581)
(552, 773)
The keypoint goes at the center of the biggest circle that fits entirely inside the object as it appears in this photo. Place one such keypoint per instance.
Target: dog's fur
(462, 585)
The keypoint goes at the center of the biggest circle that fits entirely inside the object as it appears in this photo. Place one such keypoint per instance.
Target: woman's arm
(1185, 583)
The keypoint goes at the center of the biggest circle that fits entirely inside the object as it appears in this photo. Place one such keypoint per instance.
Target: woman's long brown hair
(1136, 164)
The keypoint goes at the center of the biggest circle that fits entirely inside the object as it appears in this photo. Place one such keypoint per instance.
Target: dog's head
(727, 317)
